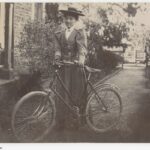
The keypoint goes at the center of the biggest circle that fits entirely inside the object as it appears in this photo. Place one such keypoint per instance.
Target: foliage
(36, 48)
(130, 8)
(110, 60)
(52, 11)
(105, 60)
(106, 34)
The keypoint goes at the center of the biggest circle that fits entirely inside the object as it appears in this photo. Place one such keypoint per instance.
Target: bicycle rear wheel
(103, 85)
(103, 111)
(33, 117)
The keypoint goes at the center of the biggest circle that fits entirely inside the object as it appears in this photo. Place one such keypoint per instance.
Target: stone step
(1, 66)
(5, 73)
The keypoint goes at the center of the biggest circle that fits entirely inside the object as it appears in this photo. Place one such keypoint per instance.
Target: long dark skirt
(74, 80)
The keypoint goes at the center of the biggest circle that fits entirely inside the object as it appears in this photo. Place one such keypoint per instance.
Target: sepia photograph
(74, 72)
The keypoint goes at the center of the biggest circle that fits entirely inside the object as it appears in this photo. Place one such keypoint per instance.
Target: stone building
(13, 17)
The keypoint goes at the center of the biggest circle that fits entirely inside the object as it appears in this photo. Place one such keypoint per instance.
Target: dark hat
(73, 11)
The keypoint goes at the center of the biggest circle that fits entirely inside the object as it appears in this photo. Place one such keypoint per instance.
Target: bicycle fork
(99, 99)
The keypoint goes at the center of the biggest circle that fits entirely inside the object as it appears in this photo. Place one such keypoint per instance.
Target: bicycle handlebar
(89, 69)
(68, 63)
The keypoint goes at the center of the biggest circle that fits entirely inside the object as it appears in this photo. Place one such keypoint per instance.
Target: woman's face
(70, 21)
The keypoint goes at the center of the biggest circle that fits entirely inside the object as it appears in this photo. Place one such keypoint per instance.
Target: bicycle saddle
(92, 70)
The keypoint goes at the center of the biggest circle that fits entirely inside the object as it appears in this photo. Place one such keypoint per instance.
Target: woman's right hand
(57, 61)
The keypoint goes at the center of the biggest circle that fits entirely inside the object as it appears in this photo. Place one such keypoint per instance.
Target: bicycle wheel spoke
(41, 107)
(103, 115)
(33, 117)
(20, 128)
(100, 100)
(95, 112)
(23, 120)
(37, 109)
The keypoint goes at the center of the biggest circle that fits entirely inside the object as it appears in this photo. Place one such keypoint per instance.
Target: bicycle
(34, 115)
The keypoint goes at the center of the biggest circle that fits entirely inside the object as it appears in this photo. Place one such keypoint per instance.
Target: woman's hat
(73, 11)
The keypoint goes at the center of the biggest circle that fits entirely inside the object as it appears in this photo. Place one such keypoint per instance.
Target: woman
(71, 45)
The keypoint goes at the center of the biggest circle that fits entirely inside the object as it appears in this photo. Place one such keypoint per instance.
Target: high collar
(71, 29)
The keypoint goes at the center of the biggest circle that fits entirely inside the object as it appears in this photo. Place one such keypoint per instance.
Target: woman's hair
(73, 15)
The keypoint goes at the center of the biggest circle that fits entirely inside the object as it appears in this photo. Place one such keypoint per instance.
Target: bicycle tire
(41, 121)
(107, 85)
(102, 85)
(104, 120)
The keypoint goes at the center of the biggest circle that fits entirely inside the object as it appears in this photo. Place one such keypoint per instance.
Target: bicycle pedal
(76, 110)
(48, 90)
(104, 109)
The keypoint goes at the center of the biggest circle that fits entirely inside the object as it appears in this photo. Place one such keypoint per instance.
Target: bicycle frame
(71, 104)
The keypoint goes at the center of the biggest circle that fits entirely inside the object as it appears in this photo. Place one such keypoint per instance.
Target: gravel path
(135, 123)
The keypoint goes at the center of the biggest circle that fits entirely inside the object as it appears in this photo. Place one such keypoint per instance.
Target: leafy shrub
(36, 47)
(105, 60)
(110, 60)
(109, 35)
(35, 50)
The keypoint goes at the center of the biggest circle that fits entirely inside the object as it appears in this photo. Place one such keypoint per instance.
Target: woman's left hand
(81, 64)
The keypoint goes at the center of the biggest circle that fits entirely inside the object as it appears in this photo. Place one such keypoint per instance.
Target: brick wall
(22, 13)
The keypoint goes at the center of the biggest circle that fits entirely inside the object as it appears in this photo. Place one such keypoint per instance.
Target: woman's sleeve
(57, 47)
(81, 40)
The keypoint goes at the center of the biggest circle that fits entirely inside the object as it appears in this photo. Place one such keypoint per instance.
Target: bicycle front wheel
(33, 117)
(103, 110)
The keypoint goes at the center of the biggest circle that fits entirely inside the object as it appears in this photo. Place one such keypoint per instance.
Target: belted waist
(69, 57)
